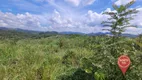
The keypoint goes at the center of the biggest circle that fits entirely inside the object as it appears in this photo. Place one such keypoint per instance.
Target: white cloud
(93, 18)
(80, 2)
(2, 23)
(133, 30)
(60, 23)
(86, 23)
(87, 2)
(122, 2)
(74, 2)
(138, 18)
(24, 21)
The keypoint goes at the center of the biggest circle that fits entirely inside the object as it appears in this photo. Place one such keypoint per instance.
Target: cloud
(88, 2)
(133, 30)
(74, 2)
(80, 2)
(60, 23)
(23, 21)
(122, 2)
(94, 18)
(56, 21)
(89, 23)
(2, 23)
(138, 18)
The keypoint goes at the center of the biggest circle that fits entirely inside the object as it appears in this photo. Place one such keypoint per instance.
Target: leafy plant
(119, 19)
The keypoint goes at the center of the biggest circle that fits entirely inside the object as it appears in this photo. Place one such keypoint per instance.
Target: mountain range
(66, 33)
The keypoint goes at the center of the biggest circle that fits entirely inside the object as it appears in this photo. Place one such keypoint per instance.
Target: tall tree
(119, 19)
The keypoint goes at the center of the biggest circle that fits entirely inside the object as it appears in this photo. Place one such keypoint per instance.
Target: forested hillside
(24, 34)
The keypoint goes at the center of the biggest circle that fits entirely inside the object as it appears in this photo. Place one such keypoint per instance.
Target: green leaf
(121, 9)
(99, 76)
(129, 12)
(88, 70)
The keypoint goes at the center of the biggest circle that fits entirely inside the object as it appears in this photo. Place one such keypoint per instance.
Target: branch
(130, 26)
(129, 12)
(106, 29)
(109, 13)
(105, 22)
(130, 4)
(107, 25)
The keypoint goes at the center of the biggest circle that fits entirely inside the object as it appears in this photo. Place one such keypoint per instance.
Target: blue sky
(62, 15)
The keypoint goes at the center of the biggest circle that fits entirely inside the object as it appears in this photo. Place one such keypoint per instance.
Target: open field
(68, 57)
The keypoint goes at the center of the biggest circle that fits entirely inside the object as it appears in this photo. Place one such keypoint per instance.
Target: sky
(63, 15)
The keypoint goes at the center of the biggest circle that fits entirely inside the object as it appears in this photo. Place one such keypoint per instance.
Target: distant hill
(13, 34)
(69, 32)
(21, 33)
(99, 33)
(8, 33)
(108, 33)
(27, 31)
(3, 28)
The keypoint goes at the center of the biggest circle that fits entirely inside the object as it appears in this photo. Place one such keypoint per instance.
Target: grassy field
(64, 57)
(30, 59)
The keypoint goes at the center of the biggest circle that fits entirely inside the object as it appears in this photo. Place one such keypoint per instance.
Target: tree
(119, 19)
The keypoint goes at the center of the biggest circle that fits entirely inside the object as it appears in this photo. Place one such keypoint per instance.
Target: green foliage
(99, 76)
(78, 74)
(105, 58)
(115, 46)
(119, 20)
(50, 56)
(40, 59)
(69, 57)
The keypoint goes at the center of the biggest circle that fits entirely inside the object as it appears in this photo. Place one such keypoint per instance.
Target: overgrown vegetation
(50, 56)
(68, 58)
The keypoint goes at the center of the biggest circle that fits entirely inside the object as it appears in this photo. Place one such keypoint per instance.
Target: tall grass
(60, 58)
(35, 59)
